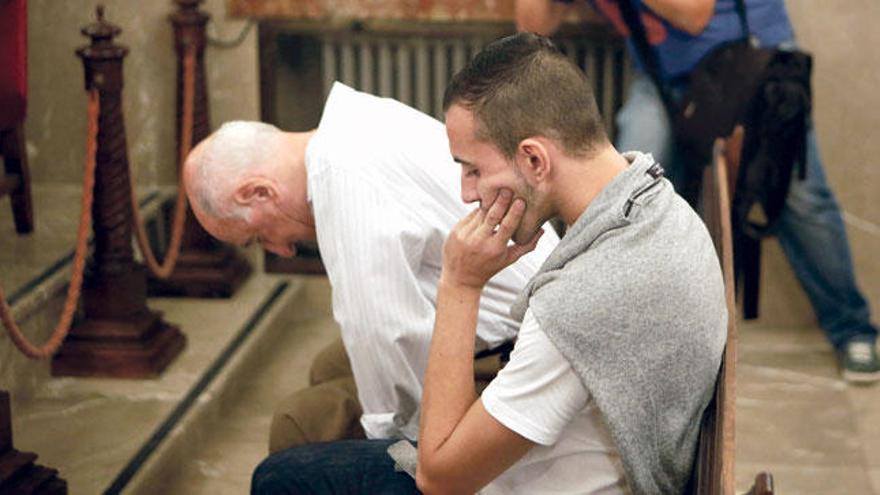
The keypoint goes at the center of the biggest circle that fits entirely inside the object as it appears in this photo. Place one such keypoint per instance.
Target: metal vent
(415, 69)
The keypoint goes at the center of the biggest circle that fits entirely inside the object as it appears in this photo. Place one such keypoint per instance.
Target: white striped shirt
(385, 192)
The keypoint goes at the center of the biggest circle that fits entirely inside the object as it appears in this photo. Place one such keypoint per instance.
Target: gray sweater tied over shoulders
(634, 299)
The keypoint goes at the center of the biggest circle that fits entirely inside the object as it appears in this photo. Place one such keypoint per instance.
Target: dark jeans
(343, 467)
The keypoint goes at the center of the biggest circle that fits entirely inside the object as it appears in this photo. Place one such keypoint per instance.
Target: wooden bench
(714, 472)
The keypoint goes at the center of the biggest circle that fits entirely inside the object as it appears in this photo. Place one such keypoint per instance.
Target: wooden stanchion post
(205, 268)
(118, 336)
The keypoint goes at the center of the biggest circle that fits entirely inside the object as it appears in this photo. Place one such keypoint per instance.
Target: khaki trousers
(328, 409)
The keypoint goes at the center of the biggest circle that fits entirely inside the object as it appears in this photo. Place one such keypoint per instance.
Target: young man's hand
(478, 247)
(461, 446)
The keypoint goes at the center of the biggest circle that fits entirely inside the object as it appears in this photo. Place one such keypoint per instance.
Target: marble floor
(799, 420)
(239, 439)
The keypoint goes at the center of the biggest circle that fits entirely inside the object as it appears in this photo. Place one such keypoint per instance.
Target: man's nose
(280, 250)
(469, 193)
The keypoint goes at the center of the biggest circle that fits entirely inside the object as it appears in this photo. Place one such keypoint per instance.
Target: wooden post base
(201, 273)
(140, 347)
(18, 473)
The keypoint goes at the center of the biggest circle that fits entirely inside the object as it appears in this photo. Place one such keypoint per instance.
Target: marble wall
(846, 78)
(56, 124)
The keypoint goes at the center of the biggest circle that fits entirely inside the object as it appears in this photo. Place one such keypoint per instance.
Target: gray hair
(233, 150)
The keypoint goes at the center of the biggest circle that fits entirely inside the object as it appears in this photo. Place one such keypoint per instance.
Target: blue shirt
(678, 52)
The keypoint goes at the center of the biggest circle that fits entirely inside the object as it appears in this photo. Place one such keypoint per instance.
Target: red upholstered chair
(13, 100)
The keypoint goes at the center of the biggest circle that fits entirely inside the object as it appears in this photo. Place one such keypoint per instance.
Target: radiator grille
(415, 69)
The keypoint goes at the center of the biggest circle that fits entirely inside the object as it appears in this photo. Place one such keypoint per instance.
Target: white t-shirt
(539, 396)
(385, 192)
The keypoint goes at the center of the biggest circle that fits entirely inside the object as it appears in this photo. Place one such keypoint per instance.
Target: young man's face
(485, 171)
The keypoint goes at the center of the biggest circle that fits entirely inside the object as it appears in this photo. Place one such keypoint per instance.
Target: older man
(375, 185)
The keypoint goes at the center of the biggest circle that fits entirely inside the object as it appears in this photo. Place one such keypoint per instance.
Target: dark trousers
(343, 467)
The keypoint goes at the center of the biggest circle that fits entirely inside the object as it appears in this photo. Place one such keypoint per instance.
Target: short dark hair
(522, 86)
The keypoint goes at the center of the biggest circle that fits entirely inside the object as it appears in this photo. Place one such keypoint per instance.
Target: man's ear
(533, 158)
(254, 190)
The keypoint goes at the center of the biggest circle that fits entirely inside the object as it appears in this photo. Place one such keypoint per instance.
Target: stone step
(104, 435)
(35, 271)
(99, 433)
(215, 450)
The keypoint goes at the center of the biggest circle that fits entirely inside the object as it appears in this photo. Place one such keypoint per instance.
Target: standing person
(622, 328)
(810, 228)
(375, 185)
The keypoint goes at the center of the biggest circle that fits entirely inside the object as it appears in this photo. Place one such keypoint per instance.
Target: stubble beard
(527, 227)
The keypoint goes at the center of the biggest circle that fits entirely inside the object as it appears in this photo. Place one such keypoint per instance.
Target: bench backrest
(714, 469)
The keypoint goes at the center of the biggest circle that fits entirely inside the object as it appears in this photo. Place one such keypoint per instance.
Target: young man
(622, 328)
(376, 186)
(810, 229)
